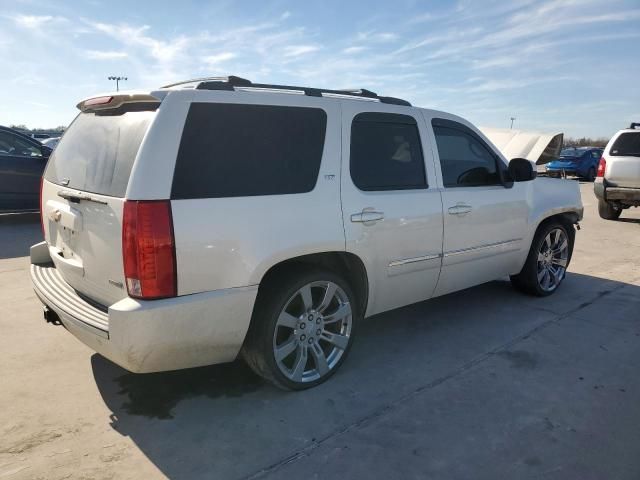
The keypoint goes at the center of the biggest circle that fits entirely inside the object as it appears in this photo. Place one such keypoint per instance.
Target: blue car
(576, 161)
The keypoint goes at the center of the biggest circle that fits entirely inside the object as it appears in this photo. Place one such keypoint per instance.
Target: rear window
(97, 152)
(626, 145)
(237, 150)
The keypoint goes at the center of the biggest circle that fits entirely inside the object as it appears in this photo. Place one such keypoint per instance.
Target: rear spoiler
(143, 101)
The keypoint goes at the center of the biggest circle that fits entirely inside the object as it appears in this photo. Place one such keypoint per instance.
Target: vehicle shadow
(629, 220)
(225, 422)
(17, 237)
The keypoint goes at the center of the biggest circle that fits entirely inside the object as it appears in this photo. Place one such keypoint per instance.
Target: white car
(50, 142)
(190, 224)
(617, 184)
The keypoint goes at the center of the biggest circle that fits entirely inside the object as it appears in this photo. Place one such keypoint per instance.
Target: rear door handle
(460, 209)
(368, 216)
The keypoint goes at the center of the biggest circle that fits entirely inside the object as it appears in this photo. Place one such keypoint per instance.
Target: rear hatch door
(83, 194)
(623, 161)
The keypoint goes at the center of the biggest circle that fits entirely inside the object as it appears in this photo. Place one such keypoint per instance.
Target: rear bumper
(620, 194)
(150, 336)
(574, 172)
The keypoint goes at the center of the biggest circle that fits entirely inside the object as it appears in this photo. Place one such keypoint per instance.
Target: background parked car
(22, 161)
(578, 161)
(40, 136)
(51, 142)
(617, 186)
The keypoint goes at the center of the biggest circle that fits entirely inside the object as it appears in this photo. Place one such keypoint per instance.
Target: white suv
(617, 184)
(187, 225)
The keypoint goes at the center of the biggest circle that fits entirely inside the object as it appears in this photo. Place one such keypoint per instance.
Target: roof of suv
(232, 83)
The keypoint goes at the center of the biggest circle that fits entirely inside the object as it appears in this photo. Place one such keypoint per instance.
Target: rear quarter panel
(232, 242)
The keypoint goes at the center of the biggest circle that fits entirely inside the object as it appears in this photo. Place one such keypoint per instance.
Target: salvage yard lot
(485, 383)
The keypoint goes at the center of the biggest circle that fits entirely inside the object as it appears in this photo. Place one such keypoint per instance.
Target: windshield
(572, 152)
(97, 152)
(627, 144)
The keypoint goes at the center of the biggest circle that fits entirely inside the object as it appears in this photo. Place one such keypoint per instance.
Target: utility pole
(117, 79)
(512, 119)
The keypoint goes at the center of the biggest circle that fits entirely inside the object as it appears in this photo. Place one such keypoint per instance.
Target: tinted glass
(16, 146)
(596, 153)
(386, 153)
(627, 144)
(97, 152)
(465, 160)
(233, 150)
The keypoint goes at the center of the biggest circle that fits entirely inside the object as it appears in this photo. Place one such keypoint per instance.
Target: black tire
(258, 348)
(591, 175)
(608, 211)
(527, 280)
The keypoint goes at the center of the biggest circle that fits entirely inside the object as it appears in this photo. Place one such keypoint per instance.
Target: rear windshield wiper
(75, 198)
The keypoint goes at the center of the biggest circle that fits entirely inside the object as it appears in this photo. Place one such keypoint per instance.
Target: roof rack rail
(634, 125)
(232, 82)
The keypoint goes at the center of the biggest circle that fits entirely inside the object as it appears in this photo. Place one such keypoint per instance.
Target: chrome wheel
(553, 257)
(312, 331)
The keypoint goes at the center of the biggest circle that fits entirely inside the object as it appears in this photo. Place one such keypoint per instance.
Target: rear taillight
(148, 249)
(41, 209)
(602, 165)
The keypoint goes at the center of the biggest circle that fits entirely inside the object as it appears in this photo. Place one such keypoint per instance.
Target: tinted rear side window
(97, 152)
(386, 153)
(237, 150)
(627, 144)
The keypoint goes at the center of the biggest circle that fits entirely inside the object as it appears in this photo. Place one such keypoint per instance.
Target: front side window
(240, 150)
(466, 161)
(14, 145)
(386, 153)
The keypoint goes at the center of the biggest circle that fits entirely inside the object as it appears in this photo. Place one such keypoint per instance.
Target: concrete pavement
(486, 383)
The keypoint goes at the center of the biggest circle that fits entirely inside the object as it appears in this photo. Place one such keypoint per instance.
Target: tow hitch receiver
(51, 317)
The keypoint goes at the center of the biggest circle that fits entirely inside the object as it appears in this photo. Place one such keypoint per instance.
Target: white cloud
(285, 15)
(218, 58)
(377, 37)
(104, 55)
(32, 21)
(299, 50)
(352, 50)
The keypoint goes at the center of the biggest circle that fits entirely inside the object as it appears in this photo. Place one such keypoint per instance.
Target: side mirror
(521, 170)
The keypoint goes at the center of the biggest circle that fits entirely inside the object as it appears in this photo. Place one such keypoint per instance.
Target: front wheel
(608, 211)
(547, 262)
(302, 329)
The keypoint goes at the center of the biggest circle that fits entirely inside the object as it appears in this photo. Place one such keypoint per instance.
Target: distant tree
(585, 142)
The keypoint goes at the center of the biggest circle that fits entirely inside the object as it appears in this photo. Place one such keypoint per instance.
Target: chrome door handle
(367, 216)
(460, 209)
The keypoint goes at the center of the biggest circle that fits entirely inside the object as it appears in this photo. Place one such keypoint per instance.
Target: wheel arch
(348, 265)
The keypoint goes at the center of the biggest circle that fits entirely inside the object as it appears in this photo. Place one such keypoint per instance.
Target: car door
(21, 166)
(391, 205)
(485, 217)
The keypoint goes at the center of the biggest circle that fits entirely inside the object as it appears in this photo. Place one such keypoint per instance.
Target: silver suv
(617, 184)
(202, 220)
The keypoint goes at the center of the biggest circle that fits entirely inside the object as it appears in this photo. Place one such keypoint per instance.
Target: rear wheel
(547, 262)
(302, 329)
(591, 174)
(608, 210)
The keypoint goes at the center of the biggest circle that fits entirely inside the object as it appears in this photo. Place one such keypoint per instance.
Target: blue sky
(570, 66)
